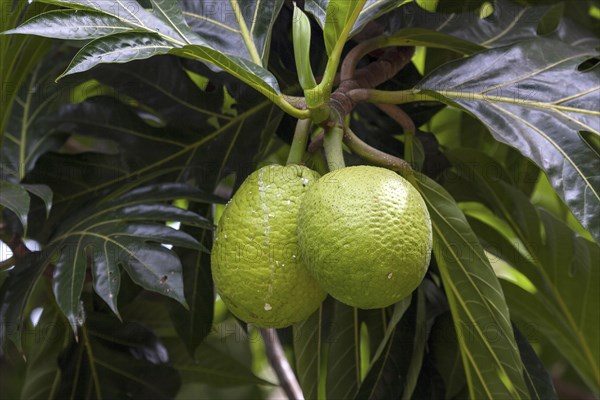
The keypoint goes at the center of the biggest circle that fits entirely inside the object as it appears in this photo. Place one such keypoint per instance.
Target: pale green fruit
(255, 259)
(365, 235)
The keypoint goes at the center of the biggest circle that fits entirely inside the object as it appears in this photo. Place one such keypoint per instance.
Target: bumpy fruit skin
(365, 234)
(255, 259)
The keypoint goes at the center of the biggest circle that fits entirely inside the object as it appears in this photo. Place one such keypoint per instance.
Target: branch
(374, 155)
(401, 117)
(281, 365)
(374, 74)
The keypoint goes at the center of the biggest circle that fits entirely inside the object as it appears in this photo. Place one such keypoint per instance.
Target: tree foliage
(125, 125)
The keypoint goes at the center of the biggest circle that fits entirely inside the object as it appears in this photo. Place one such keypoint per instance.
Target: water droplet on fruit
(268, 307)
(390, 275)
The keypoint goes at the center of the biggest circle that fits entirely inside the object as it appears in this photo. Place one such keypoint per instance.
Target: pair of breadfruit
(288, 237)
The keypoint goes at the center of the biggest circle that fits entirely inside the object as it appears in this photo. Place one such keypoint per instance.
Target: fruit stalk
(374, 155)
(299, 142)
(334, 151)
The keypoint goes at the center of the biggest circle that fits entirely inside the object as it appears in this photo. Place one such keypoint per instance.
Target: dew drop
(268, 307)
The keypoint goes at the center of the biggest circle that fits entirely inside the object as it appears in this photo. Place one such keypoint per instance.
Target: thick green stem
(334, 151)
(299, 142)
(376, 156)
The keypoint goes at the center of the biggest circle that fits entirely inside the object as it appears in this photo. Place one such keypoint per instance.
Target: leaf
(339, 19)
(394, 371)
(171, 28)
(212, 366)
(194, 324)
(343, 360)
(43, 374)
(537, 378)
(558, 263)
(118, 48)
(493, 368)
(122, 232)
(338, 11)
(308, 352)
(238, 28)
(72, 24)
(27, 134)
(20, 55)
(43, 192)
(16, 199)
(15, 293)
(252, 74)
(161, 30)
(445, 353)
(116, 360)
(528, 111)
(509, 22)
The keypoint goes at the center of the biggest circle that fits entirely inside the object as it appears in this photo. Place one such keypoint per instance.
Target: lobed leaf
(239, 28)
(526, 109)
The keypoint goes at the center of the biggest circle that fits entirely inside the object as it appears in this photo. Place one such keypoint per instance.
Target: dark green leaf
(212, 366)
(118, 48)
(16, 199)
(72, 24)
(445, 354)
(252, 74)
(43, 192)
(194, 324)
(28, 134)
(121, 232)
(241, 28)
(558, 264)
(116, 360)
(509, 23)
(343, 360)
(527, 110)
(308, 352)
(20, 55)
(493, 367)
(15, 293)
(394, 371)
(51, 337)
(536, 376)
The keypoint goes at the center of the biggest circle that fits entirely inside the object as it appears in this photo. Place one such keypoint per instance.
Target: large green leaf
(240, 28)
(527, 110)
(125, 31)
(558, 263)
(125, 231)
(509, 22)
(493, 367)
(116, 360)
